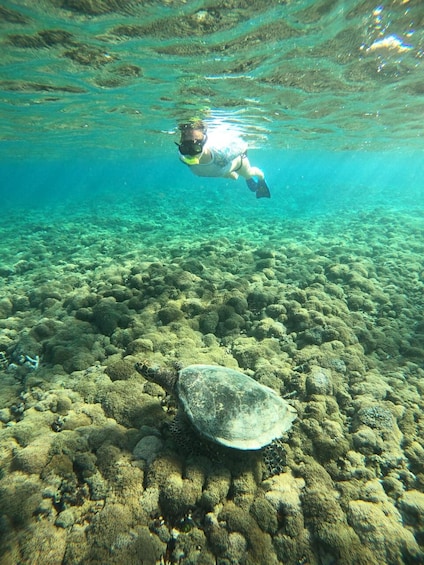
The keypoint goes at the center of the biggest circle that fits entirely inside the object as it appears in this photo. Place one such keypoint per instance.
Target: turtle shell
(231, 408)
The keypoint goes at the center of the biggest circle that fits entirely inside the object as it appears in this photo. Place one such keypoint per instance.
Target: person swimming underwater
(223, 155)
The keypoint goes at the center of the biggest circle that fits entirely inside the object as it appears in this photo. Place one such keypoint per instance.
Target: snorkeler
(221, 155)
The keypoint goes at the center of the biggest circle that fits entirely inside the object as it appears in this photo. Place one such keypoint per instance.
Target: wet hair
(192, 125)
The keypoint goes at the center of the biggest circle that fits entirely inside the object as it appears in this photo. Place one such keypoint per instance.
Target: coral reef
(89, 463)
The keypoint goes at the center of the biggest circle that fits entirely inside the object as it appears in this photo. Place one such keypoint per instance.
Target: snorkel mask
(191, 150)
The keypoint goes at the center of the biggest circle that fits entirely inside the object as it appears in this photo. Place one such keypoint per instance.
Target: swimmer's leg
(259, 186)
(233, 175)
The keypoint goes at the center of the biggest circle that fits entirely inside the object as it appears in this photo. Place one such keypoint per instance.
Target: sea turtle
(226, 407)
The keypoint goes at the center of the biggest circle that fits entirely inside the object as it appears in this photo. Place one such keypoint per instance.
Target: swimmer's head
(194, 126)
(193, 139)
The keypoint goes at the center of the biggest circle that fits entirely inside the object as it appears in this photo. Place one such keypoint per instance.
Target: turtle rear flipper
(275, 458)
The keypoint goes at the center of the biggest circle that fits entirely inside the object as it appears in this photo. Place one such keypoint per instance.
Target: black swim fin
(262, 190)
(252, 184)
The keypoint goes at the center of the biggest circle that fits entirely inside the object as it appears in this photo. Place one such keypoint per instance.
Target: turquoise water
(303, 184)
(112, 253)
(328, 94)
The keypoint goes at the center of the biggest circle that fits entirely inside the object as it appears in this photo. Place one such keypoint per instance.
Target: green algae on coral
(89, 439)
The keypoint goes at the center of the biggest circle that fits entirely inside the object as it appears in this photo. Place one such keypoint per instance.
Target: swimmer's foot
(262, 190)
(252, 184)
(259, 186)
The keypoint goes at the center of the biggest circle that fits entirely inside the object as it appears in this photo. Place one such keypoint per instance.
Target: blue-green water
(112, 252)
(302, 183)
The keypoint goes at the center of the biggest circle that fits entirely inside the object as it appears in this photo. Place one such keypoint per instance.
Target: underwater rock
(32, 425)
(232, 323)
(76, 419)
(20, 303)
(411, 506)
(192, 307)
(236, 519)
(5, 415)
(283, 493)
(60, 465)
(178, 491)
(328, 438)
(42, 541)
(276, 311)
(84, 464)
(191, 545)
(170, 314)
(6, 307)
(319, 381)
(108, 314)
(260, 299)
(148, 448)
(376, 416)
(44, 329)
(20, 496)
(218, 536)
(265, 515)
(264, 264)
(239, 303)
(216, 488)
(248, 351)
(415, 454)
(367, 442)
(193, 265)
(65, 519)
(375, 430)
(372, 384)
(244, 487)
(182, 280)
(35, 456)
(267, 327)
(326, 519)
(130, 410)
(84, 314)
(87, 346)
(120, 370)
(317, 335)
(379, 526)
(27, 348)
(119, 292)
(60, 404)
(208, 322)
(98, 486)
(148, 545)
(140, 345)
(113, 531)
(236, 548)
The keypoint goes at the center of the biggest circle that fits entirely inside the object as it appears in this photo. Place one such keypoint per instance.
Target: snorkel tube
(190, 159)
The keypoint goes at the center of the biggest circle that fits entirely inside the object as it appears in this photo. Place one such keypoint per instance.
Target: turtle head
(165, 379)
